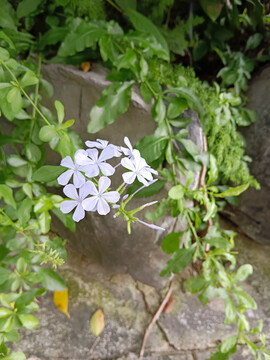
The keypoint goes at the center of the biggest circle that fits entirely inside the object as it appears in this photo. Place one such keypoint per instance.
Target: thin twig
(202, 185)
(94, 345)
(155, 318)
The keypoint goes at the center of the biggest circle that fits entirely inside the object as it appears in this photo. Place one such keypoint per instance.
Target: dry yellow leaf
(86, 66)
(60, 299)
(97, 322)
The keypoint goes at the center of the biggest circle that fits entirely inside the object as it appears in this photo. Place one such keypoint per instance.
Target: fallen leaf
(60, 299)
(97, 322)
(86, 66)
(169, 305)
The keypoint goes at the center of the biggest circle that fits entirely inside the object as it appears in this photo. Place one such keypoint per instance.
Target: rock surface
(104, 239)
(189, 332)
(252, 214)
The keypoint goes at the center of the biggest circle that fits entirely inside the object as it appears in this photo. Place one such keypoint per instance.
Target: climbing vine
(141, 51)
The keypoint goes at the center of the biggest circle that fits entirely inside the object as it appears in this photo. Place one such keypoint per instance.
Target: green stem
(151, 89)
(25, 94)
(115, 6)
(35, 97)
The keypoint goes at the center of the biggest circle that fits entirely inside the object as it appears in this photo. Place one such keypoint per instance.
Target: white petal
(91, 170)
(67, 206)
(81, 157)
(111, 196)
(115, 149)
(103, 184)
(93, 154)
(67, 162)
(90, 204)
(79, 213)
(78, 179)
(64, 178)
(106, 169)
(128, 164)
(129, 177)
(70, 191)
(142, 180)
(128, 143)
(146, 174)
(106, 154)
(152, 226)
(102, 207)
(87, 189)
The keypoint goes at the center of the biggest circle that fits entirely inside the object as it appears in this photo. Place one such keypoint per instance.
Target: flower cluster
(90, 171)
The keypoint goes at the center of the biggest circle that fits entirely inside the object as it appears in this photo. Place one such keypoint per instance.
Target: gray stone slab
(105, 239)
(128, 305)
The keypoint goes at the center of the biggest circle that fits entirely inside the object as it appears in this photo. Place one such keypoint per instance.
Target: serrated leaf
(179, 260)
(97, 322)
(113, 102)
(60, 299)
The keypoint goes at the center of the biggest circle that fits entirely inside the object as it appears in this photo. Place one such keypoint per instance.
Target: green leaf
(176, 107)
(245, 299)
(47, 173)
(127, 4)
(146, 191)
(24, 212)
(192, 99)
(6, 193)
(28, 79)
(15, 356)
(85, 36)
(26, 7)
(171, 242)
(195, 284)
(152, 147)
(47, 87)
(127, 60)
(66, 219)
(254, 41)
(16, 160)
(4, 274)
(159, 110)
(32, 152)
(47, 132)
(230, 311)
(60, 111)
(191, 147)
(236, 191)
(29, 321)
(177, 192)
(179, 260)
(51, 280)
(113, 102)
(44, 221)
(141, 23)
(67, 124)
(243, 272)
(229, 343)
(213, 171)
(4, 54)
(14, 97)
(212, 8)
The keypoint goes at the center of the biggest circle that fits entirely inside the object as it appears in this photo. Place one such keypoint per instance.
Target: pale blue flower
(92, 163)
(98, 200)
(71, 192)
(151, 226)
(138, 169)
(78, 178)
(103, 144)
(128, 151)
